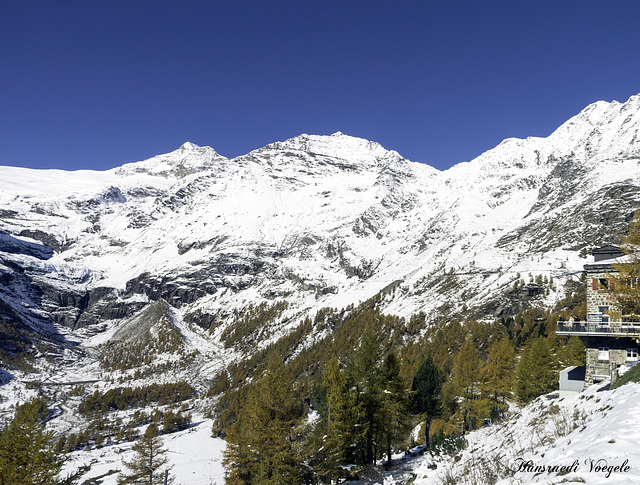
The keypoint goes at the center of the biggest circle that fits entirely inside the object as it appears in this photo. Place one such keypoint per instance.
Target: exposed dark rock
(13, 245)
(8, 214)
(45, 238)
(205, 320)
(177, 290)
(512, 302)
(212, 244)
(600, 219)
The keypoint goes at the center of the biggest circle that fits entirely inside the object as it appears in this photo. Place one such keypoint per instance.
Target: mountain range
(316, 221)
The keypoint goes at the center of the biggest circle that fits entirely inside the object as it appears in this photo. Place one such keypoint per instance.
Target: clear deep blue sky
(95, 84)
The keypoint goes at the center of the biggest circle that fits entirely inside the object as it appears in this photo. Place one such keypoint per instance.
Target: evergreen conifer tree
(393, 416)
(427, 393)
(368, 378)
(149, 464)
(337, 430)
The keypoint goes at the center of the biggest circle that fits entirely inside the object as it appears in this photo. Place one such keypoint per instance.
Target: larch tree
(626, 282)
(27, 450)
(263, 445)
(467, 375)
(499, 372)
(149, 464)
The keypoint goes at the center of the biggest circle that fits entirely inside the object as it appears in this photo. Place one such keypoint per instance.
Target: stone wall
(597, 296)
(597, 369)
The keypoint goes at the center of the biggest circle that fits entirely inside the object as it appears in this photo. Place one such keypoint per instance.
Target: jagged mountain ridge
(315, 220)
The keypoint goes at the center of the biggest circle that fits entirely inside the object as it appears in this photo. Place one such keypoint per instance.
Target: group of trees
(264, 445)
(144, 349)
(252, 324)
(120, 398)
(304, 421)
(363, 407)
(362, 411)
(104, 429)
(29, 454)
(299, 423)
(366, 403)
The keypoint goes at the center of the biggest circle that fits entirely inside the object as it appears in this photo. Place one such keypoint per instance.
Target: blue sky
(95, 84)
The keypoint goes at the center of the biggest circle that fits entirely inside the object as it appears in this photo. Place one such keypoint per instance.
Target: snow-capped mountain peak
(338, 149)
(189, 146)
(189, 158)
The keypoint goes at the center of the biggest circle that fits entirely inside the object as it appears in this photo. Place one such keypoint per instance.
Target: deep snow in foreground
(195, 455)
(579, 438)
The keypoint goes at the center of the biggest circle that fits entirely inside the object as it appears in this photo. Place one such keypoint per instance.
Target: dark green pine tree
(150, 462)
(393, 414)
(427, 393)
(366, 373)
(27, 451)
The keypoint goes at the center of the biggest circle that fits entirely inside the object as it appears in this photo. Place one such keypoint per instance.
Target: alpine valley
(186, 266)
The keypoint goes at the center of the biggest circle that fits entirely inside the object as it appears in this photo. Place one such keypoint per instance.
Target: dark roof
(607, 249)
(606, 252)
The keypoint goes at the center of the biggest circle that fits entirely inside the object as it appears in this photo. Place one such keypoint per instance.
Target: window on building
(604, 283)
(632, 354)
(603, 353)
(603, 311)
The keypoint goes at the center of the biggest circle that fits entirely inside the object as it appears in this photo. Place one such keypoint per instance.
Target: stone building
(610, 339)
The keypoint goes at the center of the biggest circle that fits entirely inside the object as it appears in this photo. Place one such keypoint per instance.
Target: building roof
(606, 252)
(607, 264)
(605, 257)
(575, 372)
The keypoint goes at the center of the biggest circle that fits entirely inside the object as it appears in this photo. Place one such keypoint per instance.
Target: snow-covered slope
(591, 437)
(194, 456)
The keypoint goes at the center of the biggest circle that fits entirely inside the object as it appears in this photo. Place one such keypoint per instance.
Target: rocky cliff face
(316, 221)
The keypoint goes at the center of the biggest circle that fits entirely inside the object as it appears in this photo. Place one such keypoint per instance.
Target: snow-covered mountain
(318, 221)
